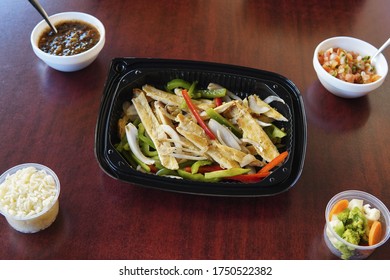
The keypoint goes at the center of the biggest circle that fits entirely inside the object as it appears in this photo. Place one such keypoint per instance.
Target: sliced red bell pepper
(249, 178)
(153, 168)
(205, 169)
(218, 101)
(195, 112)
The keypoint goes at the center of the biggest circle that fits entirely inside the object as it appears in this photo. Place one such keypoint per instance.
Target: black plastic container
(128, 73)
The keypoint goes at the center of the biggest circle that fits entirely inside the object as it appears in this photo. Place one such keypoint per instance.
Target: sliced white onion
(184, 156)
(263, 124)
(172, 134)
(220, 139)
(247, 160)
(253, 143)
(273, 98)
(132, 139)
(224, 135)
(256, 108)
(177, 91)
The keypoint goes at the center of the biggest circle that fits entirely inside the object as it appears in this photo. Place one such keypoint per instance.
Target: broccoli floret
(356, 219)
(351, 236)
(343, 216)
(358, 223)
(355, 225)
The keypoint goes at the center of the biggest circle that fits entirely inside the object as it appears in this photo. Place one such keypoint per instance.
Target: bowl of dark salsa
(79, 39)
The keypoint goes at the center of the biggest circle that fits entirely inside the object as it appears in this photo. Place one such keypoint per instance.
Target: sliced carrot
(276, 161)
(375, 234)
(338, 207)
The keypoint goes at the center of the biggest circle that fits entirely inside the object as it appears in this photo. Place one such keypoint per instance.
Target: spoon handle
(385, 45)
(43, 13)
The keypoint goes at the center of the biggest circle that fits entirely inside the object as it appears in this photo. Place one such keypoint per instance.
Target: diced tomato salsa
(348, 66)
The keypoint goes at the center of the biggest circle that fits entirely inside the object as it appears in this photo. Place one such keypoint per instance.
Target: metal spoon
(385, 45)
(40, 9)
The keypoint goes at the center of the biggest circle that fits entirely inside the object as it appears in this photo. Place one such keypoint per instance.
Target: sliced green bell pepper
(274, 133)
(219, 118)
(195, 177)
(226, 173)
(178, 83)
(212, 93)
(199, 163)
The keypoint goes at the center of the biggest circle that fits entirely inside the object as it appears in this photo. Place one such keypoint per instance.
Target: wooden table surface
(49, 117)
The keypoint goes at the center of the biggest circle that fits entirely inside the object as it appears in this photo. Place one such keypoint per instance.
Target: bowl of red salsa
(79, 39)
(344, 67)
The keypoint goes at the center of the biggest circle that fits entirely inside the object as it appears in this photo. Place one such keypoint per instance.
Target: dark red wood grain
(49, 117)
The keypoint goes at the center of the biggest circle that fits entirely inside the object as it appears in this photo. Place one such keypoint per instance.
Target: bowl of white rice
(29, 195)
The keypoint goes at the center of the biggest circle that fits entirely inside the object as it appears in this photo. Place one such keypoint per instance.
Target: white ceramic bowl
(73, 62)
(342, 88)
(40, 220)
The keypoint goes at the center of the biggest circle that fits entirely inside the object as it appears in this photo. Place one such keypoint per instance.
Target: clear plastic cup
(39, 221)
(343, 249)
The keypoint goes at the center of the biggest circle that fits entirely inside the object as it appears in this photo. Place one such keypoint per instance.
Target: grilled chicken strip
(175, 99)
(254, 132)
(195, 134)
(157, 135)
(164, 97)
(242, 158)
